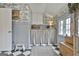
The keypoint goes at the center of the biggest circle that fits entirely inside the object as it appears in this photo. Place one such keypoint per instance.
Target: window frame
(61, 23)
(68, 26)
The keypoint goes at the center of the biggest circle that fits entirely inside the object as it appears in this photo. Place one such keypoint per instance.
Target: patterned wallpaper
(25, 12)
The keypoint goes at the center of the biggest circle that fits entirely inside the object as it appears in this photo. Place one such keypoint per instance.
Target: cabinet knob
(9, 31)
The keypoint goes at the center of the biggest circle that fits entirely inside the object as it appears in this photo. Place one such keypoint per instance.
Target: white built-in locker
(21, 33)
(5, 29)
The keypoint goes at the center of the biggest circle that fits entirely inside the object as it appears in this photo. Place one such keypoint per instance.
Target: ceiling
(50, 8)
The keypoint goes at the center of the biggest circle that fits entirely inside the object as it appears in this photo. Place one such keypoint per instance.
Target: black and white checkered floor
(24, 53)
(15, 53)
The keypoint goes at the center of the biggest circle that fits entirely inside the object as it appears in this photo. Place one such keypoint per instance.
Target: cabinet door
(21, 33)
(5, 29)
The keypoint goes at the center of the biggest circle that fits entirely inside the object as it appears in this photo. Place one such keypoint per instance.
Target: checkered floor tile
(15, 53)
(24, 53)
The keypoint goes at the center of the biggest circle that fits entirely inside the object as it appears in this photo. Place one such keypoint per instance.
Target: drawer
(69, 40)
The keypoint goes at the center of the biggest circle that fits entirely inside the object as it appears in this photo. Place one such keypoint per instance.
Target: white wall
(37, 18)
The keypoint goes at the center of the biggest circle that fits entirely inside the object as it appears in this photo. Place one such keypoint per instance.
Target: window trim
(68, 26)
(61, 22)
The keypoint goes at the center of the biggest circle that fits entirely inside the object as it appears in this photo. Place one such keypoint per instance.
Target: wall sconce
(50, 23)
(15, 14)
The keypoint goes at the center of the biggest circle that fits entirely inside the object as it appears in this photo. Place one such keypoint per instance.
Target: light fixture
(50, 23)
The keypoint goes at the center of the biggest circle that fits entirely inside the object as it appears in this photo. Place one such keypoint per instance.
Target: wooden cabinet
(68, 40)
(66, 47)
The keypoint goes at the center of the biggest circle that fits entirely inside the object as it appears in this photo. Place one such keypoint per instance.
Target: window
(61, 27)
(68, 20)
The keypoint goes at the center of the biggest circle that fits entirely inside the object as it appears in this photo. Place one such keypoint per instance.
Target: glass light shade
(50, 23)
